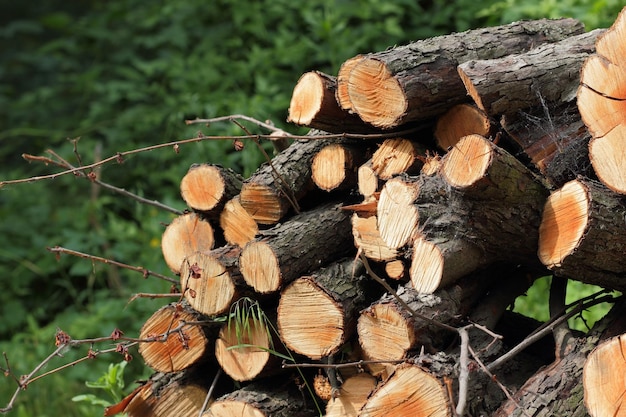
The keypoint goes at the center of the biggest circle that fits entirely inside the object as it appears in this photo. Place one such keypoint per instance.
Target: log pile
(471, 179)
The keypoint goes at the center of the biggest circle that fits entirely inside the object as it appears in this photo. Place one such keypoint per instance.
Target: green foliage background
(125, 74)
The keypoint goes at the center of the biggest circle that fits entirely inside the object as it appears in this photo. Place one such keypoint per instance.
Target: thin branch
(234, 117)
(145, 272)
(210, 392)
(463, 372)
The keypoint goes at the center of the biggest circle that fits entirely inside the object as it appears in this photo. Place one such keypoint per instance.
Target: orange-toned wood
(207, 187)
(186, 234)
(335, 165)
(398, 155)
(352, 395)
(238, 225)
(461, 120)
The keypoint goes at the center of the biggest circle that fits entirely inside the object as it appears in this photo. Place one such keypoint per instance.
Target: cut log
(296, 247)
(418, 81)
(602, 105)
(314, 104)
(395, 269)
(333, 295)
(368, 240)
(168, 395)
(260, 400)
(186, 234)
(409, 391)
(238, 225)
(555, 140)
(368, 180)
(581, 234)
(277, 186)
(207, 187)
(173, 351)
(335, 165)
(343, 98)
(243, 349)
(519, 81)
(604, 378)
(395, 156)
(396, 214)
(206, 280)
(461, 120)
(352, 395)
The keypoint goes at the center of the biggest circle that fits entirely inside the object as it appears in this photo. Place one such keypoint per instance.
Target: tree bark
(185, 235)
(418, 81)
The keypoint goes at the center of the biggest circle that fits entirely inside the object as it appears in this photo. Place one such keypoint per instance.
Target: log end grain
(331, 166)
(181, 349)
(461, 120)
(409, 391)
(367, 239)
(185, 235)
(343, 76)
(563, 223)
(608, 158)
(242, 350)
(395, 156)
(205, 186)
(397, 216)
(315, 338)
(376, 96)
(306, 99)
(352, 395)
(238, 225)
(367, 179)
(467, 161)
(259, 267)
(171, 400)
(207, 285)
(604, 378)
(385, 333)
(263, 203)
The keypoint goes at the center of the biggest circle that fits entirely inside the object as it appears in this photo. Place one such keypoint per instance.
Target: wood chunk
(397, 216)
(334, 166)
(296, 247)
(519, 81)
(206, 281)
(185, 235)
(581, 234)
(461, 120)
(368, 180)
(398, 155)
(367, 239)
(409, 391)
(332, 295)
(238, 225)
(604, 378)
(352, 395)
(207, 187)
(314, 104)
(178, 350)
(418, 81)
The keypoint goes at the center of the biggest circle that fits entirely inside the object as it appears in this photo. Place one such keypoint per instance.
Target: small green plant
(111, 382)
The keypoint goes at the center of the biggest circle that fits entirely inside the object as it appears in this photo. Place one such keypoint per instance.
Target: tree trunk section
(367, 239)
(185, 235)
(418, 81)
(352, 395)
(299, 246)
(549, 72)
(207, 187)
(238, 225)
(461, 120)
(335, 165)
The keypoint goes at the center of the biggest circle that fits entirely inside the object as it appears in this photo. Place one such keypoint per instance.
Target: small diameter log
(259, 400)
(207, 187)
(461, 120)
(519, 81)
(243, 349)
(395, 156)
(397, 216)
(238, 225)
(332, 295)
(418, 81)
(368, 180)
(604, 378)
(334, 166)
(206, 280)
(352, 396)
(173, 351)
(367, 239)
(298, 246)
(581, 234)
(169, 395)
(395, 269)
(277, 186)
(409, 391)
(185, 235)
(314, 104)
(602, 105)
(555, 140)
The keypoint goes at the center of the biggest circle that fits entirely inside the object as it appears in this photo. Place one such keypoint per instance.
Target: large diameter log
(409, 391)
(173, 351)
(207, 187)
(602, 105)
(258, 400)
(296, 247)
(352, 395)
(278, 185)
(333, 295)
(419, 80)
(238, 225)
(314, 104)
(581, 234)
(206, 280)
(335, 165)
(185, 235)
(604, 378)
(518, 81)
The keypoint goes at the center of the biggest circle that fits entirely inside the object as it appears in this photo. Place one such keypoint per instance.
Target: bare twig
(145, 272)
(210, 392)
(463, 372)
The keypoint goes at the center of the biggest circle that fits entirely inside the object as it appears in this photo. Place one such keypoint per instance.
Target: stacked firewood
(467, 166)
